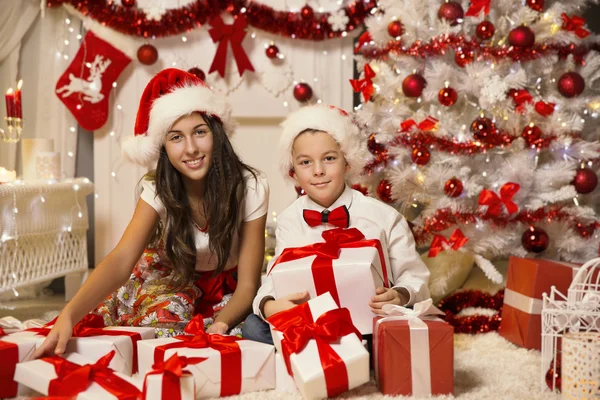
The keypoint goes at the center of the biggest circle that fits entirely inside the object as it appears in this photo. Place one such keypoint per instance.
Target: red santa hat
(325, 118)
(171, 94)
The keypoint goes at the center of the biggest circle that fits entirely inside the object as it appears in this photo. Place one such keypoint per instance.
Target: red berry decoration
(463, 58)
(535, 240)
(585, 181)
(585, 230)
(453, 187)
(395, 29)
(272, 51)
(536, 5)
(128, 3)
(483, 129)
(447, 97)
(420, 156)
(374, 147)
(147, 54)
(485, 30)
(303, 92)
(531, 134)
(198, 73)
(299, 191)
(361, 188)
(413, 85)
(521, 36)
(451, 11)
(571, 84)
(553, 375)
(384, 191)
(307, 12)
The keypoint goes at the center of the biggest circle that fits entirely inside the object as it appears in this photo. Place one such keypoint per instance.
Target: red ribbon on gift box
(9, 353)
(229, 33)
(326, 252)
(73, 379)
(231, 355)
(93, 325)
(298, 328)
(172, 371)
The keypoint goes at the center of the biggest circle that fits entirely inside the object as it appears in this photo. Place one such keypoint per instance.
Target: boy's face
(319, 167)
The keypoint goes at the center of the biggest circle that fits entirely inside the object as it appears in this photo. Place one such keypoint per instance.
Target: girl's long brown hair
(225, 187)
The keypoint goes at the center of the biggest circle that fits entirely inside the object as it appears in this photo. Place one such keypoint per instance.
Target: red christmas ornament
(272, 51)
(420, 156)
(485, 30)
(531, 134)
(147, 54)
(447, 97)
(303, 92)
(585, 180)
(374, 147)
(384, 191)
(571, 84)
(585, 230)
(128, 3)
(553, 375)
(483, 129)
(453, 187)
(198, 73)
(395, 29)
(462, 58)
(536, 5)
(299, 191)
(451, 12)
(535, 240)
(413, 85)
(361, 188)
(307, 12)
(521, 36)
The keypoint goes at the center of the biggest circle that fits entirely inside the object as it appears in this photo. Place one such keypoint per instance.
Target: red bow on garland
(428, 124)
(495, 202)
(365, 85)
(574, 24)
(455, 242)
(224, 34)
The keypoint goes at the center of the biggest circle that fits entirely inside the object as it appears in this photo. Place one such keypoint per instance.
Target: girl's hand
(388, 296)
(56, 341)
(218, 327)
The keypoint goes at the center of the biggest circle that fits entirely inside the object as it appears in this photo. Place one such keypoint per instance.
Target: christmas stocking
(85, 85)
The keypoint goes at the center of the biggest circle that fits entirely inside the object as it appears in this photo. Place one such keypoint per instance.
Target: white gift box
(258, 365)
(25, 348)
(94, 347)
(306, 365)
(283, 381)
(38, 374)
(153, 387)
(357, 273)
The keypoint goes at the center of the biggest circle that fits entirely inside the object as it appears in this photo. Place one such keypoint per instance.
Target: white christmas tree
(482, 118)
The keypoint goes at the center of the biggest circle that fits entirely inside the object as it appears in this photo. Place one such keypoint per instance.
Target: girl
(198, 226)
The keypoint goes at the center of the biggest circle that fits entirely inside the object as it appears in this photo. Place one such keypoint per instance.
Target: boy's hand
(285, 303)
(388, 296)
(218, 327)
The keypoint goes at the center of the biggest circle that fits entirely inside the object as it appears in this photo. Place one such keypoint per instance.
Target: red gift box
(413, 352)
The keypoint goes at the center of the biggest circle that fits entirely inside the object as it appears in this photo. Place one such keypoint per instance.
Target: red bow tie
(338, 217)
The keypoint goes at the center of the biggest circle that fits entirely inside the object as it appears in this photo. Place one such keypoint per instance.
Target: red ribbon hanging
(235, 33)
(494, 202)
(477, 6)
(574, 24)
(298, 328)
(365, 85)
(172, 371)
(326, 252)
(73, 378)
(93, 325)
(9, 354)
(428, 124)
(231, 355)
(455, 242)
(544, 109)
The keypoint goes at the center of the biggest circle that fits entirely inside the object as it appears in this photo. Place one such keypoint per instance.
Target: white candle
(7, 175)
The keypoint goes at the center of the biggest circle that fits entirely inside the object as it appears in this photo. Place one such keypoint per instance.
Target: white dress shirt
(375, 220)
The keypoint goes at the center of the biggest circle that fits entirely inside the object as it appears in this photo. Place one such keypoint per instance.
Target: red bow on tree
(362, 40)
(364, 85)
(574, 24)
(455, 242)
(544, 109)
(494, 202)
(339, 217)
(428, 124)
(477, 6)
(229, 33)
(520, 97)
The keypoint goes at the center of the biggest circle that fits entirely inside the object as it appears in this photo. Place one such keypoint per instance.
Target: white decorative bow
(420, 309)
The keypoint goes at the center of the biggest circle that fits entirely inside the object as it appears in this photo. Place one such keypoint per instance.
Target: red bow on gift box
(172, 371)
(365, 85)
(495, 202)
(477, 6)
(224, 34)
(428, 124)
(574, 24)
(455, 242)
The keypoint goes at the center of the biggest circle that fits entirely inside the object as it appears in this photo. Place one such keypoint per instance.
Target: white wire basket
(577, 311)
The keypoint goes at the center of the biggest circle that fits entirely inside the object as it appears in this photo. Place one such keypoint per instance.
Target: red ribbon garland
(93, 325)
(494, 202)
(224, 34)
(574, 24)
(428, 124)
(9, 354)
(73, 378)
(326, 252)
(477, 6)
(298, 328)
(455, 242)
(364, 85)
(231, 355)
(172, 371)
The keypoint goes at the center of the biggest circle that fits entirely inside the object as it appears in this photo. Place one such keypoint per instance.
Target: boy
(320, 146)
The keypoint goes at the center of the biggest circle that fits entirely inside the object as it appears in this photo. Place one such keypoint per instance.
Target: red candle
(18, 104)
(10, 103)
